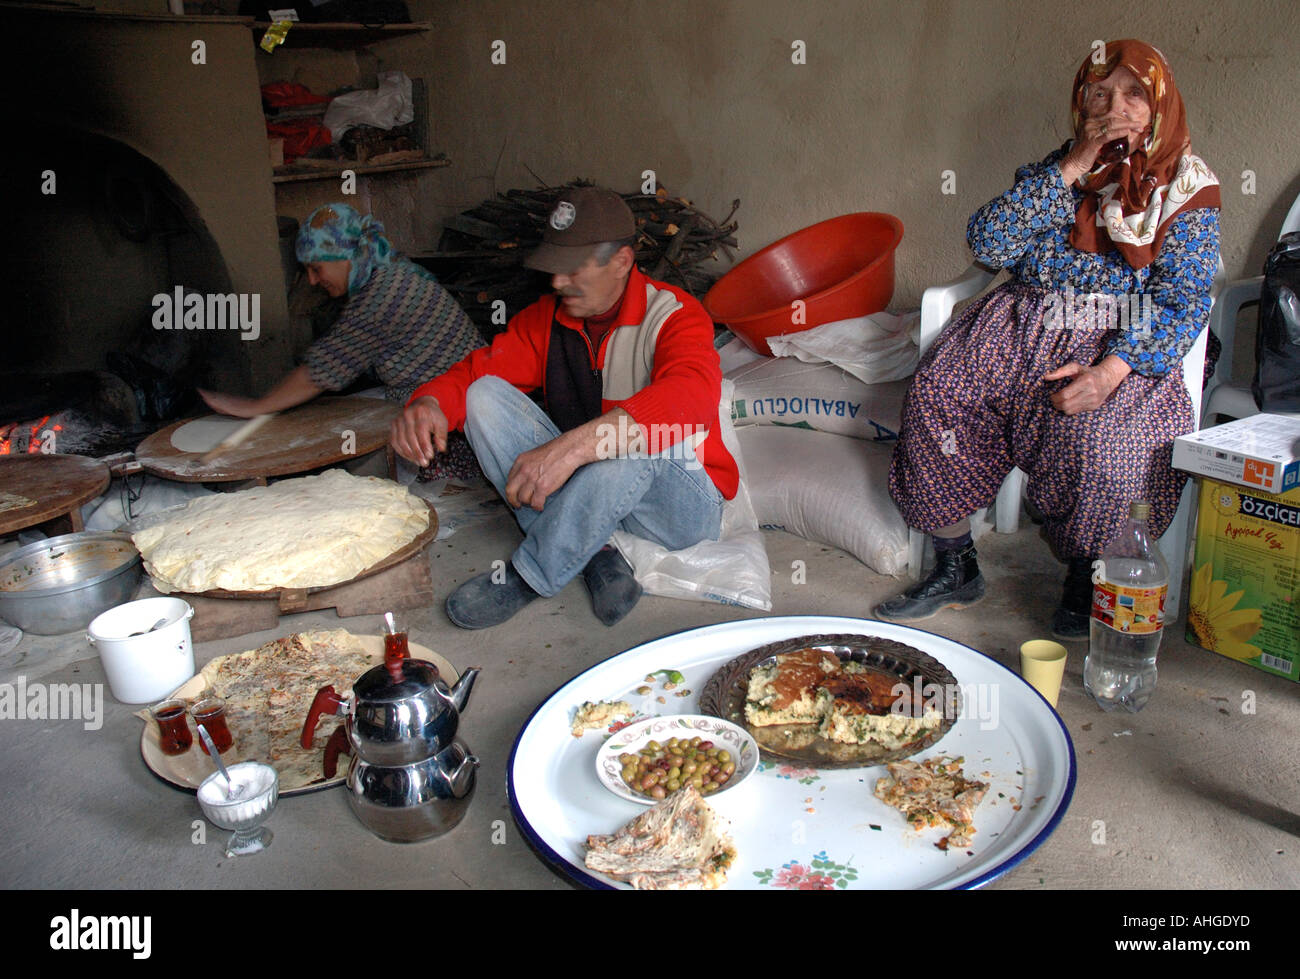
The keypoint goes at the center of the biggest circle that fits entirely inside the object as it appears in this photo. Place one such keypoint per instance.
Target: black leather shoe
(614, 589)
(482, 602)
(954, 582)
(1071, 620)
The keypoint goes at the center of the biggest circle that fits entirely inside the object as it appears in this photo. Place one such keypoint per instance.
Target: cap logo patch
(563, 215)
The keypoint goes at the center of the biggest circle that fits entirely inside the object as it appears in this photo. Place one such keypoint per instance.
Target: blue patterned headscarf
(337, 233)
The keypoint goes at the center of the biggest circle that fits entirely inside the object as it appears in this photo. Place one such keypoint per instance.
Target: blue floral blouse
(1027, 229)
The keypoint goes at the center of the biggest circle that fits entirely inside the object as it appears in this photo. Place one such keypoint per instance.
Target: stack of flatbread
(310, 532)
(679, 844)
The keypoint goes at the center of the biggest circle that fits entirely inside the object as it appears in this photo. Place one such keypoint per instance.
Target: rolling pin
(237, 436)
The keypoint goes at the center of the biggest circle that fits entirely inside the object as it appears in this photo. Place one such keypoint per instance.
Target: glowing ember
(12, 436)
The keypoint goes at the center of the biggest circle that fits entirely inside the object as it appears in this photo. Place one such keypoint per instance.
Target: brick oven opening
(99, 231)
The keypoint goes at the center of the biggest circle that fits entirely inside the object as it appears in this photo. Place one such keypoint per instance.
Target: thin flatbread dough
(310, 532)
(206, 433)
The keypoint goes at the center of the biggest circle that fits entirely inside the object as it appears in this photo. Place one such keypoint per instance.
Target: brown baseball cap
(583, 217)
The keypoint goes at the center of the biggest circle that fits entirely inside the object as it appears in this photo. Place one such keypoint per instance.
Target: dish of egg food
(836, 701)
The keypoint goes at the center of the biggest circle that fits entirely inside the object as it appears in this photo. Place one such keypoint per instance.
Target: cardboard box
(1262, 451)
(1244, 601)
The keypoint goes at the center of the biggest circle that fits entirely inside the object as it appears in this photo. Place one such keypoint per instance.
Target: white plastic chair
(1221, 396)
(937, 304)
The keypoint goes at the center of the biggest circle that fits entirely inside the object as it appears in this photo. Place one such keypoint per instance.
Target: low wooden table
(310, 436)
(59, 485)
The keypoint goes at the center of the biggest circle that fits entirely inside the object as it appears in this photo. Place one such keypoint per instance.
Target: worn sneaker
(614, 589)
(954, 582)
(482, 602)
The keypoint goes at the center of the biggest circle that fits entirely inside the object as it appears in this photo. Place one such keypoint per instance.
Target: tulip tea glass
(211, 713)
(174, 736)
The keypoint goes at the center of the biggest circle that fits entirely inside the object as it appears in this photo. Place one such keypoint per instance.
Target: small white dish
(634, 737)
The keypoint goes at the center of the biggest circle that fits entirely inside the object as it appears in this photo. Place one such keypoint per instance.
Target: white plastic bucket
(144, 669)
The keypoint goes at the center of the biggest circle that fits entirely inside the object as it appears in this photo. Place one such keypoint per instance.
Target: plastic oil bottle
(1129, 585)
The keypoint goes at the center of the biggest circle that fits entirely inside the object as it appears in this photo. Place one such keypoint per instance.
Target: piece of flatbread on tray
(269, 690)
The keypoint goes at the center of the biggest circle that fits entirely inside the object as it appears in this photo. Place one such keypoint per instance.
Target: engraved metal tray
(724, 696)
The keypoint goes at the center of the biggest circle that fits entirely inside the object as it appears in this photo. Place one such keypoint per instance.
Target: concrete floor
(1193, 792)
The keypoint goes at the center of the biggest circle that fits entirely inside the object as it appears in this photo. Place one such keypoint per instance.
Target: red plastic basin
(840, 268)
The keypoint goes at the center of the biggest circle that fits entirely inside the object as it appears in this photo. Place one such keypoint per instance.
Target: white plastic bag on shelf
(786, 391)
(876, 348)
(384, 107)
(732, 570)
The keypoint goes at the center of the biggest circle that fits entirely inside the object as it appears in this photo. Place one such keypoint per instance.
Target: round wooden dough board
(206, 433)
(311, 436)
(57, 485)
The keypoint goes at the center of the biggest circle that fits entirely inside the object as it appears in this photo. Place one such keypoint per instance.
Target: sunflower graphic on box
(1227, 501)
(1218, 623)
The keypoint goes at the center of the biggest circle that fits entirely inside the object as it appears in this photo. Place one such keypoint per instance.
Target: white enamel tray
(801, 828)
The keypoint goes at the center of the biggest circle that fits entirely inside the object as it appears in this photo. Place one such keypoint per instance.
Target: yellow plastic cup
(1042, 663)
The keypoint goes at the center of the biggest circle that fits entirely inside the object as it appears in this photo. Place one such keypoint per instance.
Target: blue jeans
(671, 501)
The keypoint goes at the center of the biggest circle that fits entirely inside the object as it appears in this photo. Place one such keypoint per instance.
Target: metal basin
(58, 585)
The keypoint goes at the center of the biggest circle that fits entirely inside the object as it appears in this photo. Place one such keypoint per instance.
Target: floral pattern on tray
(804, 776)
(821, 873)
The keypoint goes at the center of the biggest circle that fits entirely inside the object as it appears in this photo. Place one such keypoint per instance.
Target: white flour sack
(826, 488)
(822, 397)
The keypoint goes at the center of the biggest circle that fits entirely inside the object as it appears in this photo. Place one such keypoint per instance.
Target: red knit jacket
(685, 380)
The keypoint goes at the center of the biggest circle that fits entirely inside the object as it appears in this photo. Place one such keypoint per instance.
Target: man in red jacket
(628, 437)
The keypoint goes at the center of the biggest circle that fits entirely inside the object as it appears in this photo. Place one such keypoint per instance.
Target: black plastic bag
(1276, 385)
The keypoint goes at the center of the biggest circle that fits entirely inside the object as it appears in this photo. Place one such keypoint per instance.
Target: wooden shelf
(341, 35)
(360, 169)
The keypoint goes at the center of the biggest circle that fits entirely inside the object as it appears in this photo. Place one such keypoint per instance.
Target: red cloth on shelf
(300, 136)
(280, 95)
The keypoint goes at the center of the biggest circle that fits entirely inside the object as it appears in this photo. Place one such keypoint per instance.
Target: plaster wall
(891, 96)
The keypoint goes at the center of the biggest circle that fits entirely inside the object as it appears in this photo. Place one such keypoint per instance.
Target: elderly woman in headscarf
(1084, 397)
(397, 321)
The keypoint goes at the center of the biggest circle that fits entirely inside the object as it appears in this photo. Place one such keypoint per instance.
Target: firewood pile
(479, 259)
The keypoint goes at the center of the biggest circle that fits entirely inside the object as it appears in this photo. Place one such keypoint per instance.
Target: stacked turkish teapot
(409, 779)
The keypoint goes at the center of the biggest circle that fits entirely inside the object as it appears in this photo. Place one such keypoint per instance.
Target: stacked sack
(817, 426)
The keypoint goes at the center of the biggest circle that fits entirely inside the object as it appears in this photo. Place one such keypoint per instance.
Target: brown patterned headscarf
(1129, 204)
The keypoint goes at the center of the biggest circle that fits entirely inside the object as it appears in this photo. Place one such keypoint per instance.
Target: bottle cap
(1139, 510)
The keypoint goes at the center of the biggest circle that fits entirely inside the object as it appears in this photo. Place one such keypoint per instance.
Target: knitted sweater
(402, 324)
